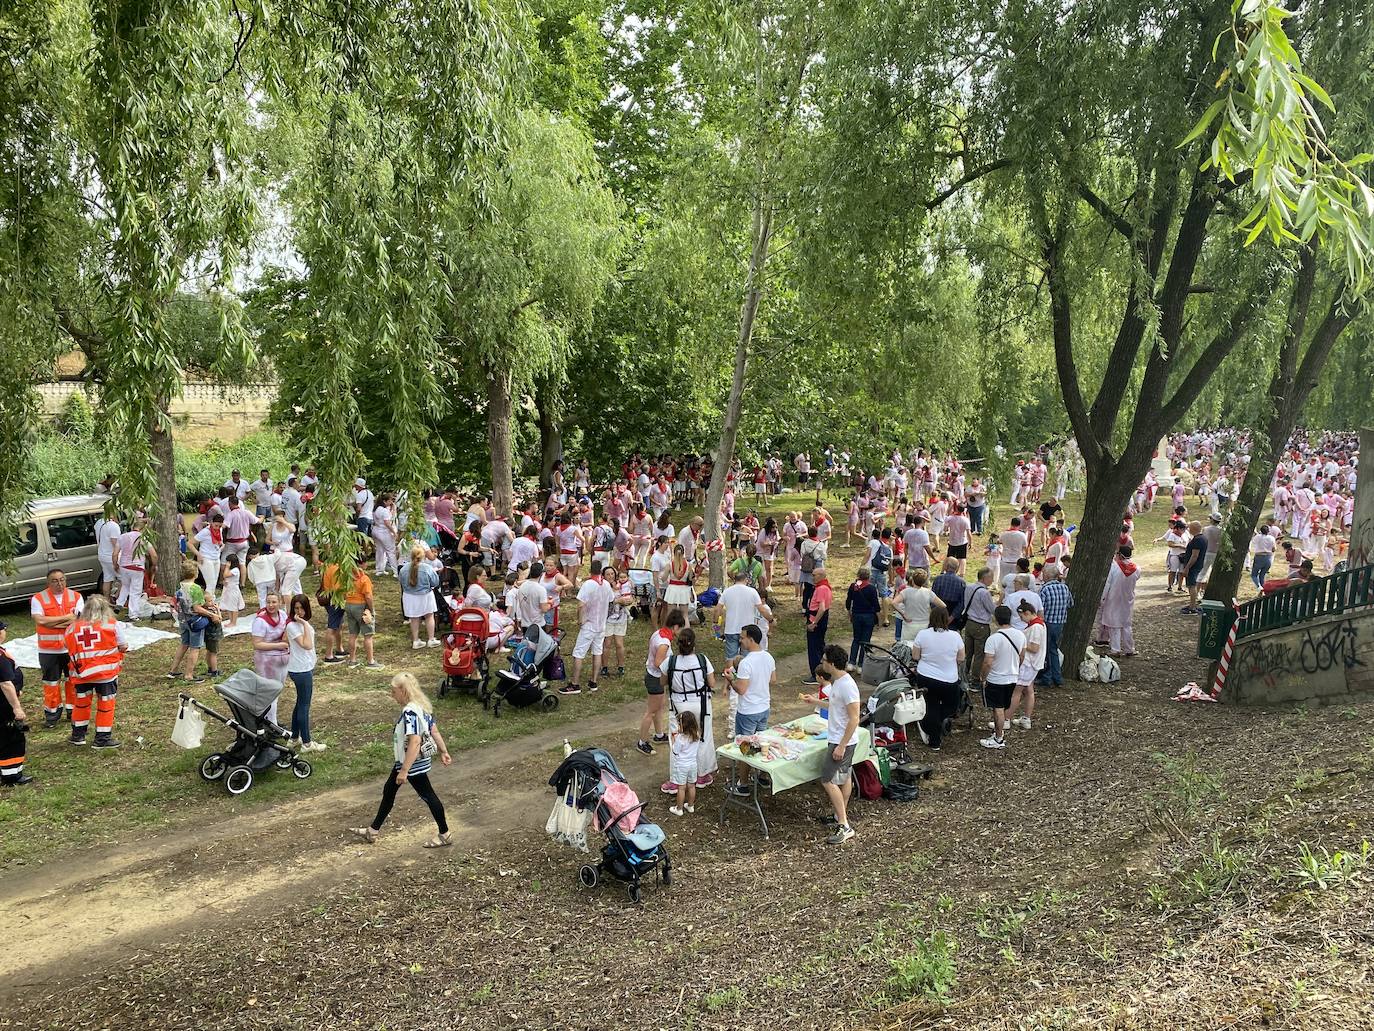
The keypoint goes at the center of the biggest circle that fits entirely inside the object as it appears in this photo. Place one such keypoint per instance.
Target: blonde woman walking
(415, 741)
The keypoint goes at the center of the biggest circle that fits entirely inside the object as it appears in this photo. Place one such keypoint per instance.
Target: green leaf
(1206, 120)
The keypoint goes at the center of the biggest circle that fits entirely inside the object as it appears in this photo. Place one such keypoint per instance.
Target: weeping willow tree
(126, 163)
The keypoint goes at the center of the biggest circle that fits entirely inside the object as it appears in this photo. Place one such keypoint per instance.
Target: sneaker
(843, 832)
(50, 721)
(197, 679)
(591, 686)
(620, 671)
(706, 781)
(417, 646)
(645, 747)
(336, 658)
(570, 689)
(739, 789)
(1023, 722)
(374, 664)
(14, 782)
(313, 746)
(660, 738)
(690, 807)
(994, 742)
(105, 741)
(354, 663)
(810, 682)
(668, 787)
(433, 642)
(78, 739)
(676, 810)
(173, 675)
(605, 671)
(1188, 610)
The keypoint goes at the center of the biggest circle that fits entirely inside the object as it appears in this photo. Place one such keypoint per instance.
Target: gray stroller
(259, 744)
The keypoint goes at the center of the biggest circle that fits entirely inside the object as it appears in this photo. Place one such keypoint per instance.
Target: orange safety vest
(50, 639)
(95, 654)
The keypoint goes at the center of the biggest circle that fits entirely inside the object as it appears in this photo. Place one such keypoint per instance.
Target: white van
(57, 533)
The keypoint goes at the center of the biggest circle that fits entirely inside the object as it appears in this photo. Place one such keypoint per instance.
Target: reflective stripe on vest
(94, 648)
(50, 638)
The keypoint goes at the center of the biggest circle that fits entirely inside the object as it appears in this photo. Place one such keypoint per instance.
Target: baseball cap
(360, 482)
(1215, 517)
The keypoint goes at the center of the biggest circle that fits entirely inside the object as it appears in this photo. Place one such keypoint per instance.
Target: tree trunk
(550, 408)
(166, 516)
(734, 409)
(498, 438)
(1095, 542)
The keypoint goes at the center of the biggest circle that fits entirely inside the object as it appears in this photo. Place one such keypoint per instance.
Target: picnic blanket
(25, 649)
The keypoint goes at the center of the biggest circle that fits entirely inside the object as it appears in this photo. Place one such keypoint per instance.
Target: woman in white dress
(283, 535)
(418, 580)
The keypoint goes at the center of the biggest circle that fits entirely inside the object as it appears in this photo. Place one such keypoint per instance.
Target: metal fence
(1328, 595)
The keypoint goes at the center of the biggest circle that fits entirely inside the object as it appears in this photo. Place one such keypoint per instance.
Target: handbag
(189, 729)
(909, 708)
(428, 748)
(566, 823)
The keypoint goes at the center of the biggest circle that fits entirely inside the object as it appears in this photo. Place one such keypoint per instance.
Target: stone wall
(1327, 660)
(204, 414)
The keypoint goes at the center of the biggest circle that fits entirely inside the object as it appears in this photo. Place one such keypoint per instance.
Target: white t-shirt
(209, 550)
(263, 492)
(843, 693)
(106, 537)
(1015, 599)
(1262, 544)
(689, 675)
(289, 568)
(262, 570)
(1013, 545)
(939, 654)
(756, 667)
(741, 605)
(365, 501)
(529, 603)
(1035, 634)
(299, 659)
(594, 598)
(523, 549)
(1004, 645)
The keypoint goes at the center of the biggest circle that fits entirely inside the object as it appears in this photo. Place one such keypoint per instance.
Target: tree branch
(1112, 218)
(971, 176)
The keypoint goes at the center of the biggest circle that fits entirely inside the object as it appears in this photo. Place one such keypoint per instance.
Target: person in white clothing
(1000, 672)
(1032, 662)
(262, 574)
(752, 679)
(132, 552)
(289, 566)
(1023, 593)
(208, 548)
(106, 542)
(384, 536)
(1014, 543)
(689, 679)
(594, 599)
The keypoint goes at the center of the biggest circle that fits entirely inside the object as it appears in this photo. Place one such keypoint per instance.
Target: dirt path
(143, 892)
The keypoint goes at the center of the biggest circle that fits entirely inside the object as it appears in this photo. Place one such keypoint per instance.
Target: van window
(26, 540)
(73, 531)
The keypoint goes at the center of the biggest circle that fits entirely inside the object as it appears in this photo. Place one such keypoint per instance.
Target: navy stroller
(259, 744)
(631, 853)
(534, 662)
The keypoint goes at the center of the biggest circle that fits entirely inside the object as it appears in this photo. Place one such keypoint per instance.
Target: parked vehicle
(56, 533)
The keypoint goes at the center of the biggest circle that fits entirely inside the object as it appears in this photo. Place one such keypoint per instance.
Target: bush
(77, 420)
(66, 464)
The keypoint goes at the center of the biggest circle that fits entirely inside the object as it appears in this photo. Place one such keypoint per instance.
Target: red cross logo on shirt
(88, 637)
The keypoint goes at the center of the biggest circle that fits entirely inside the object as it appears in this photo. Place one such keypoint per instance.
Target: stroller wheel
(634, 894)
(212, 767)
(302, 769)
(588, 875)
(284, 763)
(238, 780)
(443, 687)
(667, 876)
(550, 702)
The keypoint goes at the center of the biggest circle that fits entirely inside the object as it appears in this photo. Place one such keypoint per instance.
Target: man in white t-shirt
(1001, 664)
(529, 600)
(752, 680)
(740, 606)
(107, 533)
(841, 737)
(496, 536)
(1022, 592)
(524, 548)
(594, 600)
(1014, 543)
(364, 502)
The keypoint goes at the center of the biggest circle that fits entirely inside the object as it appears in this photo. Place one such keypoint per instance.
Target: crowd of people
(622, 549)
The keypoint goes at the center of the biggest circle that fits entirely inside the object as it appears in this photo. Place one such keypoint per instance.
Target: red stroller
(466, 667)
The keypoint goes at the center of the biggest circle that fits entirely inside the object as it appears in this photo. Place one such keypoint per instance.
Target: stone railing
(204, 413)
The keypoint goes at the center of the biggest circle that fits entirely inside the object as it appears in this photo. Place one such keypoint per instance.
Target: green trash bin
(1217, 618)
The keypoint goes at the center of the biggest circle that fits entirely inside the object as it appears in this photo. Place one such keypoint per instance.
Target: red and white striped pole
(1225, 664)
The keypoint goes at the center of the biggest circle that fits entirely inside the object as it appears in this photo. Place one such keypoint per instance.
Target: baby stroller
(642, 587)
(259, 744)
(466, 667)
(633, 847)
(533, 664)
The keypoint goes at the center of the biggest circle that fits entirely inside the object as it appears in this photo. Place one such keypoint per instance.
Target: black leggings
(423, 788)
(942, 702)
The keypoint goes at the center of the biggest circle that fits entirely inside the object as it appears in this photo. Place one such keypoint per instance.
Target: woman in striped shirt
(415, 742)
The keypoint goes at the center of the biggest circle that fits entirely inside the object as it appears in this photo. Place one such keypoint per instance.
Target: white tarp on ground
(25, 649)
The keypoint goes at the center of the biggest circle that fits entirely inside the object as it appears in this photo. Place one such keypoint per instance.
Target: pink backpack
(618, 798)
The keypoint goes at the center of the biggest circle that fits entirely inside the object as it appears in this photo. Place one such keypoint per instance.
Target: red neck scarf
(269, 618)
(1126, 566)
(217, 534)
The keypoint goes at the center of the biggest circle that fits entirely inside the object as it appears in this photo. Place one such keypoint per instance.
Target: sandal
(366, 833)
(440, 840)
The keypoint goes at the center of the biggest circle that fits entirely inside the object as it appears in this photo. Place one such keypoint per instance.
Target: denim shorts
(192, 638)
(750, 723)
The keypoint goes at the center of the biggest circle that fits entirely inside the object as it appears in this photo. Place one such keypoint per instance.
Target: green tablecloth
(788, 773)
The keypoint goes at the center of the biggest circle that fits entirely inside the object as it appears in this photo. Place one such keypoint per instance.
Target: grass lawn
(84, 798)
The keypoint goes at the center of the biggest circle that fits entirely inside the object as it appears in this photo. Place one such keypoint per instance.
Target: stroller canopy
(249, 690)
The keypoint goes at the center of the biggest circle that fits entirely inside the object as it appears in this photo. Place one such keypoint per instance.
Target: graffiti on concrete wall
(1265, 662)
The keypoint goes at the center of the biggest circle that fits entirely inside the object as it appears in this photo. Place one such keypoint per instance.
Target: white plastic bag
(566, 823)
(1108, 670)
(189, 730)
(1089, 669)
